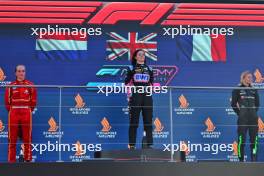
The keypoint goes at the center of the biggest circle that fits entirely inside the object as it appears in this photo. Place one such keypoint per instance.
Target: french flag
(61, 47)
(201, 48)
(209, 48)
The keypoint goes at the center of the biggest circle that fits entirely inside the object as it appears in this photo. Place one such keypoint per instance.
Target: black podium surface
(133, 168)
(140, 155)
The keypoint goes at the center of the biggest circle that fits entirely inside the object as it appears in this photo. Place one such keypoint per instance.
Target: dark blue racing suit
(140, 75)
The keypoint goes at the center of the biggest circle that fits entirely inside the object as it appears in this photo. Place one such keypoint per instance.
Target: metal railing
(172, 90)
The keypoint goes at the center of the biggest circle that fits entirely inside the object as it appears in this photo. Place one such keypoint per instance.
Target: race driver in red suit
(20, 102)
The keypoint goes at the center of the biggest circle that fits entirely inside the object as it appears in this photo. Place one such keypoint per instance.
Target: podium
(140, 155)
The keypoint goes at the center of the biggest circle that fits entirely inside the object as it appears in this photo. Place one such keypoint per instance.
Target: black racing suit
(245, 102)
(141, 76)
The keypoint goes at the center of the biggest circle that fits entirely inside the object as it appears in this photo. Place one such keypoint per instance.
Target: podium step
(140, 155)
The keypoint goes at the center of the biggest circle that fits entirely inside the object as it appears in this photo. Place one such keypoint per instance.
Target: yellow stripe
(30, 96)
(9, 138)
(30, 131)
(9, 96)
(14, 100)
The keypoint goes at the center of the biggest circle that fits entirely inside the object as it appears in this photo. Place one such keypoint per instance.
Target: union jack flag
(119, 46)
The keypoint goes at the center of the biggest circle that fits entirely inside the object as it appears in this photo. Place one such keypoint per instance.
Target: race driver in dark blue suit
(140, 75)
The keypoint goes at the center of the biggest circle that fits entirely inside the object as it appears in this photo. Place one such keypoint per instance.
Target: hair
(243, 75)
(20, 65)
(134, 60)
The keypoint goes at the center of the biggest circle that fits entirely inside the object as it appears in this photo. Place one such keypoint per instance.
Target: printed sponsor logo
(53, 129)
(163, 74)
(188, 156)
(210, 129)
(260, 128)
(53, 125)
(235, 152)
(3, 78)
(258, 76)
(2, 75)
(80, 153)
(2, 127)
(230, 110)
(234, 156)
(79, 101)
(3, 132)
(80, 108)
(159, 129)
(106, 131)
(125, 110)
(259, 79)
(184, 108)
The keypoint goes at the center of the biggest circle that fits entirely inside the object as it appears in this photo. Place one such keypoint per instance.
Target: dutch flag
(61, 47)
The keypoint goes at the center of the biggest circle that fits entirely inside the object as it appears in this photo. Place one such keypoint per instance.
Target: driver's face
(20, 72)
(248, 79)
(140, 56)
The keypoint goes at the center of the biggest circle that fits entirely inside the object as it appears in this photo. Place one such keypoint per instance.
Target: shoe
(148, 147)
(241, 159)
(253, 158)
(131, 147)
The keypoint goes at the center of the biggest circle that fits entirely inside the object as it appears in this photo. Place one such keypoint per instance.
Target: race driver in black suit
(140, 75)
(245, 103)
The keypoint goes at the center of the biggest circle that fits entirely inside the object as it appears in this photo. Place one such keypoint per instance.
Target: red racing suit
(20, 102)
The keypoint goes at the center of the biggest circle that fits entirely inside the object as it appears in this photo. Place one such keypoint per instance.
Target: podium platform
(140, 155)
(119, 168)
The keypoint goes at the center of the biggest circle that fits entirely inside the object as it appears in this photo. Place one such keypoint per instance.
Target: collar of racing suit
(242, 85)
(20, 82)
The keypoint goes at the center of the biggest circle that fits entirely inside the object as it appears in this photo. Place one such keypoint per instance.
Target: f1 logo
(107, 71)
(147, 13)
